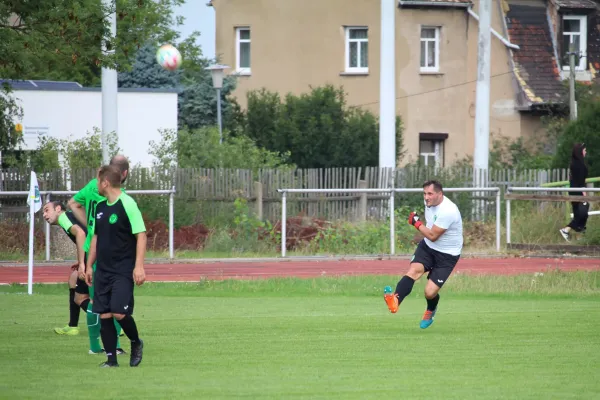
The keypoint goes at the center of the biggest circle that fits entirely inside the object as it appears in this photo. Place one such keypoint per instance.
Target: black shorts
(438, 264)
(112, 294)
(81, 287)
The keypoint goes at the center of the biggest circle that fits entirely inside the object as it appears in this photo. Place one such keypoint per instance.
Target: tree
(583, 130)
(9, 137)
(317, 128)
(46, 39)
(200, 148)
(197, 97)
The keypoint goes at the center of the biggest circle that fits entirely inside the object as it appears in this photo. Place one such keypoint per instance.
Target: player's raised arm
(91, 260)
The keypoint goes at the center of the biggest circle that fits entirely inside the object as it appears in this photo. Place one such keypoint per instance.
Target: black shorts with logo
(113, 293)
(438, 264)
(81, 287)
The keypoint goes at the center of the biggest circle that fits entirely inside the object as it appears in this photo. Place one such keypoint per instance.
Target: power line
(432, 91)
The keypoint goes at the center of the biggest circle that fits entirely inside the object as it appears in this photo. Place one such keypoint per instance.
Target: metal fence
(509, 196)
(207, 194)
(389, 193)
(48, 195)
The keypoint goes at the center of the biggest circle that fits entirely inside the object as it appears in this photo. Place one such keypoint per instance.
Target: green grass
(324, 338)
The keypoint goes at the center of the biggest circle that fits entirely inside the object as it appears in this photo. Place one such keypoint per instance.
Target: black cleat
(107, 364)
(120, 351)
(137, 350)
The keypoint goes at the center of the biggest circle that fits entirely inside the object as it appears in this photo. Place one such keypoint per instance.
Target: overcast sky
(199, 17)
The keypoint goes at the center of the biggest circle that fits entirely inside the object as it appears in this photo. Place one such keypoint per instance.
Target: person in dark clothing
(578, 173)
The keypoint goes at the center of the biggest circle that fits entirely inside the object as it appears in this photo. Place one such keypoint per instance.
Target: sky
(199, 17)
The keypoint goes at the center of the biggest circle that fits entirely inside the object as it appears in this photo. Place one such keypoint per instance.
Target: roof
(581, 4)
(535, 63)
(58, 86)
(435, 3)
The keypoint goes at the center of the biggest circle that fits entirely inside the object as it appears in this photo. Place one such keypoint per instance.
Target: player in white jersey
(436, 254)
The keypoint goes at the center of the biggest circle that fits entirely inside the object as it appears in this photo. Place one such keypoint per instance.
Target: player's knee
(431, 292)
(119, 317)
(415, 271)
(79, 298)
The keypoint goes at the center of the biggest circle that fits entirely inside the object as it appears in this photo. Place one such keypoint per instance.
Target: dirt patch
(184, 238)
(300, 230)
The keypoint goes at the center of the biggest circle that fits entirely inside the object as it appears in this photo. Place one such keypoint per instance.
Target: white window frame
(583, 32)
(361, 69)
(238, 41)
(437, 30)
(437, 154)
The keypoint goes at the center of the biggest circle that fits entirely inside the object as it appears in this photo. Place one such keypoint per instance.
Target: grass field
(523, 337)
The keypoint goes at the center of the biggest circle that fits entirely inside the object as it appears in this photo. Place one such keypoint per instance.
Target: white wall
(64, 114)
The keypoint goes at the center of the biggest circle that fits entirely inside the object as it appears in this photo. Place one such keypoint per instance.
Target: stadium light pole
(217, 72)
(109, 88)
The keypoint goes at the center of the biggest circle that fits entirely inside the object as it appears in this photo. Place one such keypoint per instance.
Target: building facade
(287, 46)
(66, 110)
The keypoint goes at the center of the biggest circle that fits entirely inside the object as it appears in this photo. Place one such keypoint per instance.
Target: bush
(317, 128)
(583, 130)
(200, 148)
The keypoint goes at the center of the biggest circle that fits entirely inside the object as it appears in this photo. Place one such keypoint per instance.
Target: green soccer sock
(119, 329)
(93, 323)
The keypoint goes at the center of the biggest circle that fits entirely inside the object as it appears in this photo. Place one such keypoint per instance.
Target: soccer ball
(168, 57)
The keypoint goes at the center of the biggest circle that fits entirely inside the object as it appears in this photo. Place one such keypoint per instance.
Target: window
(243, 50)
(357, 50)
(431, 149)
(574, 29)
(430, 49)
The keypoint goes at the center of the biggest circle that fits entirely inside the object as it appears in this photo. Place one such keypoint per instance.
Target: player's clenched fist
(414, 220)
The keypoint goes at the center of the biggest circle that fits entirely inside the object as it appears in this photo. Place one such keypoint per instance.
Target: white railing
(539, 189)
(390, 192)
(48, 196)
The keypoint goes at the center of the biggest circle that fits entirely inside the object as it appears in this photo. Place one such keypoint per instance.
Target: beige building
(288, 46)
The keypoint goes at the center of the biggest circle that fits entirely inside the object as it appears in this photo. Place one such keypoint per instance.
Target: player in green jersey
(83, 204)
(54, 213)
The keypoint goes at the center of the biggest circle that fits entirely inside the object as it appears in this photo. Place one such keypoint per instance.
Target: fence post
(171, 224)
(258, 188)
(392, 225)
(498, 220)
(507, 218)
(362, 202)
(47, 233)
(283, 223)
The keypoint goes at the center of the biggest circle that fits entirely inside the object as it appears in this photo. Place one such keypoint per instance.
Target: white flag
(34, 193)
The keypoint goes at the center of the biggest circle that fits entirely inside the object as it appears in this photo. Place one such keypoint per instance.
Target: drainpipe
(503, 40)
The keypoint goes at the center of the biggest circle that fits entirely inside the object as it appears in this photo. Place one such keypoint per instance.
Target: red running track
(304, 269)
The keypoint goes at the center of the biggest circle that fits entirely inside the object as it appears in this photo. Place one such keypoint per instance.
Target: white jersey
(446, 216)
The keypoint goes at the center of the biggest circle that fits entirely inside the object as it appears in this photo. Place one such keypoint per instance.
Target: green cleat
(67, 330)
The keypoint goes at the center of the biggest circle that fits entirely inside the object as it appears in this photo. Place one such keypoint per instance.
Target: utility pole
(572, 102)
(109, 88)
(387, 86)
(482, 97)
(482, 103)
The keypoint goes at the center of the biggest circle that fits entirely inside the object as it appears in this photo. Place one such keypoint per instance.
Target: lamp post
(217, 72)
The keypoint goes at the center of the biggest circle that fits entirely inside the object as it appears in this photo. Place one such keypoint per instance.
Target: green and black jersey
(89, 198)
(66, 221)
(115, 227)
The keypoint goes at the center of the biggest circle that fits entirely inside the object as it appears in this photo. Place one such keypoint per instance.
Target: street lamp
(217, 77)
